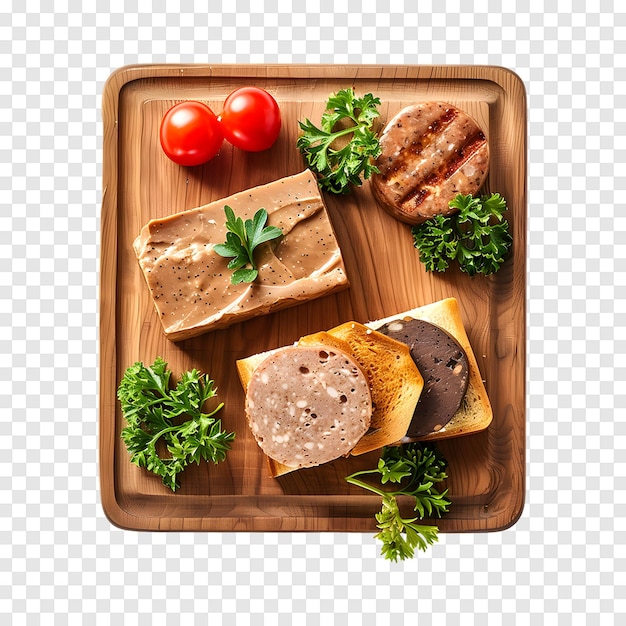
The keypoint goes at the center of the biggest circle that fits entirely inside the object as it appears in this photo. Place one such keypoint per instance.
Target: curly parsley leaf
(153, 414)
(476, 237)
(414, 469)
(241, 240)
(401, 536)
(338, 163)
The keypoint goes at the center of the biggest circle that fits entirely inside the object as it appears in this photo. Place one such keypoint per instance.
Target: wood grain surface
(486, 471)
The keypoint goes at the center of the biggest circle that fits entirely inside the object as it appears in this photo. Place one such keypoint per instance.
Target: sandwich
(361, 387)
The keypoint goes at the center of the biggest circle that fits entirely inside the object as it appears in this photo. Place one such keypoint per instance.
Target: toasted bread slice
(395, 383)
(475, 413)
(325, 338)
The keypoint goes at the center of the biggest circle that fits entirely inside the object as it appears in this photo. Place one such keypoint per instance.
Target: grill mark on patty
(416, 196)
(435, 128)
(419, 143)
(438, 125)
(472, 146)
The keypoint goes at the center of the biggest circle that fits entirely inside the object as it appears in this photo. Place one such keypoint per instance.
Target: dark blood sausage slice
(444, 366)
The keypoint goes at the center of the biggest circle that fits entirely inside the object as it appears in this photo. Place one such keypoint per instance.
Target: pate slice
(190, 283)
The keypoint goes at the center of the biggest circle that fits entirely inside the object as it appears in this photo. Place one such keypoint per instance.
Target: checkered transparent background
(60, 559)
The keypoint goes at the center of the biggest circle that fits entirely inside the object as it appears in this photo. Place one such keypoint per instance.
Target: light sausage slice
(430, 152)
(307, 405)
(443, 364)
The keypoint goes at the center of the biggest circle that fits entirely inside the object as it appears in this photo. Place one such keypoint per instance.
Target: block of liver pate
(190, 283)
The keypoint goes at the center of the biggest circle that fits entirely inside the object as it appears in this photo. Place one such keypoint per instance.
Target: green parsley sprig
(415, 469)
(241, 240)
(339, 166)
(153, 414)
(476, 236)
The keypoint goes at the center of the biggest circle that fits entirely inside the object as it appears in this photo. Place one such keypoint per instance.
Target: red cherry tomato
(190, 133)
(251, 119)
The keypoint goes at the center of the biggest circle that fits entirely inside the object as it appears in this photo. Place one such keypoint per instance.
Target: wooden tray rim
(121, 77)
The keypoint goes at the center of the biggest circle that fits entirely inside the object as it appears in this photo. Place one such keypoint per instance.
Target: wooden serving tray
(486, 471)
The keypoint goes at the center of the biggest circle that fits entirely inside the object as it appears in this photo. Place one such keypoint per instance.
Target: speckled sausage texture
(307, 405)
(430, 152)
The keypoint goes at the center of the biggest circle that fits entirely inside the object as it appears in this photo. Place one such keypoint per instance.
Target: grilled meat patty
(431, 152)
